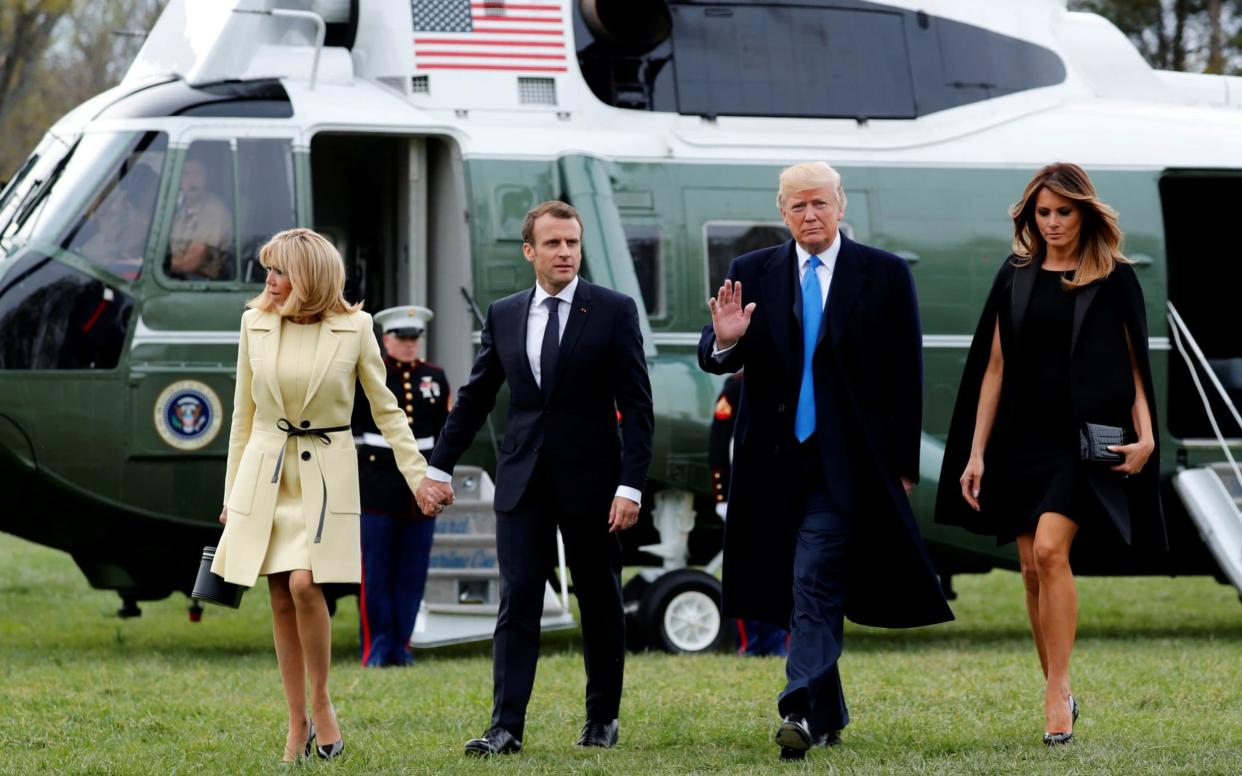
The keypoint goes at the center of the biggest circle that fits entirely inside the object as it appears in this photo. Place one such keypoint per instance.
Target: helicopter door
(224, 197)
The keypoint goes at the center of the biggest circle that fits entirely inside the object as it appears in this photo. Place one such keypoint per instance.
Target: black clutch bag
(1094, 440)
(211, 587)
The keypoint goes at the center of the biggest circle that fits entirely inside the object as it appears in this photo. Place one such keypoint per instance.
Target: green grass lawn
(1156, 671)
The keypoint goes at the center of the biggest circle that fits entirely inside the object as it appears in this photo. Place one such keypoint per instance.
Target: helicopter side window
(265, 191)
(726, 240)
(644, 244)
(112, 230)
(200, 241)
(55, 317)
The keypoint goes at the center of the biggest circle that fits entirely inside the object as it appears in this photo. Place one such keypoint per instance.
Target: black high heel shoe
(333, 750)
(306, 750)
(1060, 739)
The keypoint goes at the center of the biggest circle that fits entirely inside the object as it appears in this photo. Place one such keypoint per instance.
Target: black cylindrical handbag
(212, 588)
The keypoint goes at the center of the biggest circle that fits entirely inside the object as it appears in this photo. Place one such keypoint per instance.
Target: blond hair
(809, 175)
(316, 275)
(1099, 239)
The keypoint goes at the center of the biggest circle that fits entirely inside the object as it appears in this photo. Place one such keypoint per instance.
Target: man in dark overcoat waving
(826, 446)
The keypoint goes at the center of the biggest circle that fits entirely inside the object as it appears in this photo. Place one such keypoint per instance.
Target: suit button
(537, 448)
(776, 449)
(371, 458)
(305, 456)
(780, 408)
(306, 424)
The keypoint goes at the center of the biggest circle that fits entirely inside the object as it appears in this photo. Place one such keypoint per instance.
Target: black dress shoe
(495, 741)
(599, 734)
(794, 733)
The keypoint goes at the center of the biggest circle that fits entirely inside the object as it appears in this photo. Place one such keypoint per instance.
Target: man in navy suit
(572, 355)
(826, 447)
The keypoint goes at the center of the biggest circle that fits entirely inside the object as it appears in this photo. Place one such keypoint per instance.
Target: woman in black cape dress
(1062, 342)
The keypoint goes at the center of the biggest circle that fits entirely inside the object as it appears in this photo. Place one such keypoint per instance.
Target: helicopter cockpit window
(726, 240)
(56, 317)
(95, 201)
(112, 230)
(200, 240)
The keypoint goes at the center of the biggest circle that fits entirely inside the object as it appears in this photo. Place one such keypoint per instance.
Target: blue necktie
(812, 312)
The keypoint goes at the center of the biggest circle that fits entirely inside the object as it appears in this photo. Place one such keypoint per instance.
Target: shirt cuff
(719, 353)
(435, 475)
(633, 494)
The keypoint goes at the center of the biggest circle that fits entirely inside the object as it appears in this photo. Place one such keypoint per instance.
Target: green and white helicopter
(417, 134)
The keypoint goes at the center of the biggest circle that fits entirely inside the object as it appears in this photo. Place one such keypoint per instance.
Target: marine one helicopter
(417, 134)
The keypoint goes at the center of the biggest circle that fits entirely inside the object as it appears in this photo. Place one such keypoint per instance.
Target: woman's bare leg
(1058, 613)
(289, 657)
(315, 632)
(1030, 581)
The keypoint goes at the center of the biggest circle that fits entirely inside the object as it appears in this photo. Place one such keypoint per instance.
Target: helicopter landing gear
(129, 608)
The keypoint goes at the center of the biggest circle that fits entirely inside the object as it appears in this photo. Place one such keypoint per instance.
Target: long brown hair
(1100, 238)
(316, 274)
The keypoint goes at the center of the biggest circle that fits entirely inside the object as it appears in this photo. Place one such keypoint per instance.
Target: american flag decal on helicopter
(526, 36)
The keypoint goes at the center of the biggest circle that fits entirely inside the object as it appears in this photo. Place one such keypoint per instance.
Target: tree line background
(55, 54)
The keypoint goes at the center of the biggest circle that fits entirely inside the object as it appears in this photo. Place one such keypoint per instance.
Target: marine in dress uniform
(396, 536)
(755, 637)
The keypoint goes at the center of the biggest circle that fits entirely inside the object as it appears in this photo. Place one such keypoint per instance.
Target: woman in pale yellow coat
(291, 486)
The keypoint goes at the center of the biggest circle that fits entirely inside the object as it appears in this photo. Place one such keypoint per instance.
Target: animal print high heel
(1060, 739)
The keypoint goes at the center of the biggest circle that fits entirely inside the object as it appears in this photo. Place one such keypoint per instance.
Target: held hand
(729, 318)
(971, 480)
(433, 496)
(624, 513)
(908, 485)
(224, 516)
(1136, 456)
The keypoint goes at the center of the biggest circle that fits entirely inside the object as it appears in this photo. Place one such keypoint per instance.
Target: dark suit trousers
(813, 686)
(526, 550)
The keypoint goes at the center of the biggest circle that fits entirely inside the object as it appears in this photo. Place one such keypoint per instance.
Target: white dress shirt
(536, 325)
(828, 262)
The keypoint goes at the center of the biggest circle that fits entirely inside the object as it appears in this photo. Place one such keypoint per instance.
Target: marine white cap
(404, 321)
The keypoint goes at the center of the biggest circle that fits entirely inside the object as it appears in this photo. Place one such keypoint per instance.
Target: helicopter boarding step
(462, 597)
(1213, 498)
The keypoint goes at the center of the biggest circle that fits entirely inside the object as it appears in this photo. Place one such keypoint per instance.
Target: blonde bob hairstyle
(316, 275)
(1099, 240)
(809, 175)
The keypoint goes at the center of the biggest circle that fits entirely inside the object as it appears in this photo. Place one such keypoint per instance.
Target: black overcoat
(1101, 388)
(872, 351)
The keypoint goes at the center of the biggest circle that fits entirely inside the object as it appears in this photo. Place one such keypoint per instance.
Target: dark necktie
(551, 345)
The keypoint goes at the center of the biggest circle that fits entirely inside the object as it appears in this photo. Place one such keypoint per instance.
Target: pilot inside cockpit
(114, 233)
(200, 244)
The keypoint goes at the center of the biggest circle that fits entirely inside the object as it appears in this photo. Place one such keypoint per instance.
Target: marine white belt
(377, 440)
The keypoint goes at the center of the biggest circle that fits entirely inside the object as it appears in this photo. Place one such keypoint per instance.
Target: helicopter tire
(680, 613)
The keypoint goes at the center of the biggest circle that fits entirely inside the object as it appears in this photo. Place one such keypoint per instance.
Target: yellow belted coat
(346, 353)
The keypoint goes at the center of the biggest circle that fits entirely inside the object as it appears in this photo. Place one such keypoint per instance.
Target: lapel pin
(582, 309)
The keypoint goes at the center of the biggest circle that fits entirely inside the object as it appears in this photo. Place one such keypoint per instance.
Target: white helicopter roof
(503, 79)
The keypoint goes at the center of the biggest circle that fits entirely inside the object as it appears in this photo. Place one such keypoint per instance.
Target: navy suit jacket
(867, 368)
(601, 372)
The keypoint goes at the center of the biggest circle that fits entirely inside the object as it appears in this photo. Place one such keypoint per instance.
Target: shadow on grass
(975, 639)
